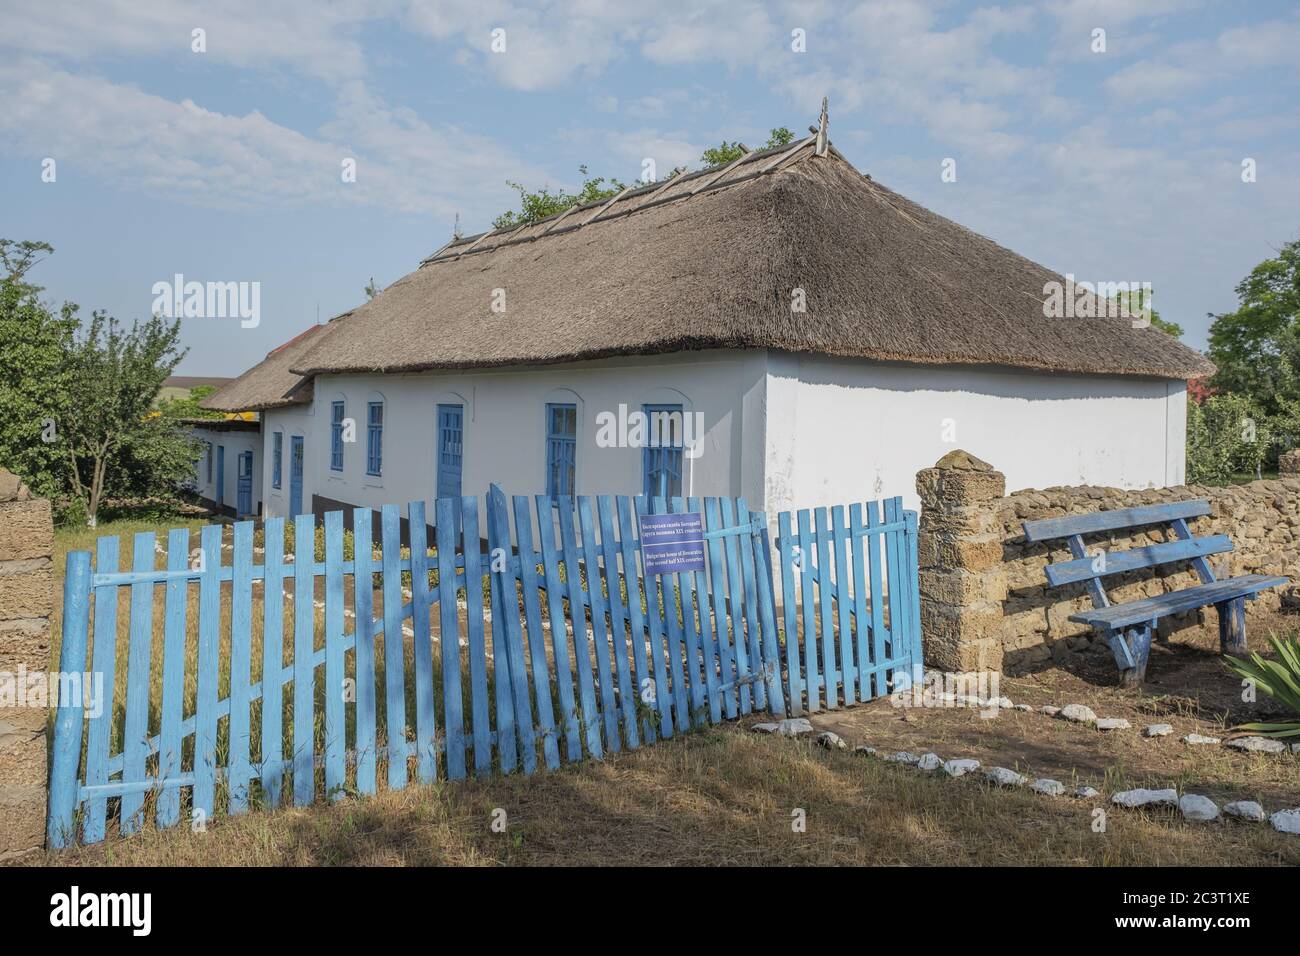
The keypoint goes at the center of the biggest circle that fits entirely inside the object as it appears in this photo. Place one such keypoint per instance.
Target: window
(208, 446)
(375, 438)
(277, 455)
(661, 458)
(561, 449)
(336, 438)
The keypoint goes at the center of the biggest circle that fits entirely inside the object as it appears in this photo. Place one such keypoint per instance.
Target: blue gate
(583, 652)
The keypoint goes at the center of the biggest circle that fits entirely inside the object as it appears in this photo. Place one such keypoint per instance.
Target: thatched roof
(711, 259)
(269, 383)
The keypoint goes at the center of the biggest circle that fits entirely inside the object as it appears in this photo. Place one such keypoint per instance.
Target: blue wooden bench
(1128, 628)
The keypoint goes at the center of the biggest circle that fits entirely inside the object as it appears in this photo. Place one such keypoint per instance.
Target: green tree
(179, 409)
(536, 205)
(726, 152)
(35, 386)
(112, 437)
(1133, 302)
(1227, 434)
(1257, 346)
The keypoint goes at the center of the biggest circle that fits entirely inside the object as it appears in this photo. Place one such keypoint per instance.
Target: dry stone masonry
(26, 604)
(985, 605)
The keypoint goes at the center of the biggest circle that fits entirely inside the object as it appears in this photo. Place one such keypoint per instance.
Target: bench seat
(1176, 602)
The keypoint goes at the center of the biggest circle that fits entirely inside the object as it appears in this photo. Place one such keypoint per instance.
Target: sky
(1163, 149)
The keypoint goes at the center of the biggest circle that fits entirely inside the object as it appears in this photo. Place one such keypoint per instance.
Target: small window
(561, 449)
(375, 439)
(208, 446)
(277, 454)
(336, 438)
(661, 458)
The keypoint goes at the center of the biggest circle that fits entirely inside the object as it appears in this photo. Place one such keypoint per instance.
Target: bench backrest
(1091, 568)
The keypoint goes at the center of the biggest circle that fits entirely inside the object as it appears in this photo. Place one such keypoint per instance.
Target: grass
(723, 796)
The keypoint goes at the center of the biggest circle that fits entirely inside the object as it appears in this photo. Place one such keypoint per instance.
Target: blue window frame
(208, 445)
(277, 454)
(375, 438)
(661, 458)
(561, 449)
(336, 438)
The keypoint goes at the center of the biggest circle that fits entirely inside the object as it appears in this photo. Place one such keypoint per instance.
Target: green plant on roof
(1280, 679)
(726, 152)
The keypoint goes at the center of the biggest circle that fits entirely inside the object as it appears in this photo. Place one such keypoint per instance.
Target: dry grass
(720, 797)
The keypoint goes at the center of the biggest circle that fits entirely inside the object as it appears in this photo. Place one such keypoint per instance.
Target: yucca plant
(1280, 679)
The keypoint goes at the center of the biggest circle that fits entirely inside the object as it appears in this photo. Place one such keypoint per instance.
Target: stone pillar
(1288, 463)
(26, 603)
(963, 582)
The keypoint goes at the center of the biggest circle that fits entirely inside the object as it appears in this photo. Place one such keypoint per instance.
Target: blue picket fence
(550, 646)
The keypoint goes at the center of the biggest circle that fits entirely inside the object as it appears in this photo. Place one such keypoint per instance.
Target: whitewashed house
(830, 337)
(228, 477)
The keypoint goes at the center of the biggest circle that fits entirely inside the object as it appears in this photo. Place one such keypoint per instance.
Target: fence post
(68, 719)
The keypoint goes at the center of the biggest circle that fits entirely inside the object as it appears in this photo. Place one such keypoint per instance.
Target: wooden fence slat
(843, 604)
(875, 548)
(559, 632)
(894, 633)
(830, 668)
(426, 720)
(99, 732)
(499, 554)
(912, 563)
(173, 684)
(691, 669)
(708, 645)
(273, 661)
(478, 671)
(239, 724)
(794, 676)
(861, 629)
(536, 640)
(735, 594)
(807, 557)
(590, 715)
(518, 663)
(135, 729)
(672, 605)
(363, 617)
(205, 707)
(335, 735)
(745, 546)
(641, 674)
(599, 633)
(618, 620)
(762, 548)
(61, 818)
(390, 523)
(662, 691)
(717, 589)
(304, 648)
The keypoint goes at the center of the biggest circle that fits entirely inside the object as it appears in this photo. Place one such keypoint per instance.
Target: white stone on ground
(1143, 797)
(1023, 707)
(1086, 793)
(1198, 808)
(959, 768)
(901, 756)
(1077, 713)
(1112, 723)
(1051, 788)
(1049, 710)
(764, 728)
(831, 741)
(1295, 748)
(1195, 739)
(930, 761)
(794, 726)
(1286, 821)
(865, 750)
(1004, 777)
(1245, 810)
(1158, 730)
(1259, 745)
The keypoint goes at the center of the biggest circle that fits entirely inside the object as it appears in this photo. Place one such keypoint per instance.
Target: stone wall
(985, 603)
(26, 603)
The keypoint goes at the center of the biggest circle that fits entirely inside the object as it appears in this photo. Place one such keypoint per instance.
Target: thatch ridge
(270, 383)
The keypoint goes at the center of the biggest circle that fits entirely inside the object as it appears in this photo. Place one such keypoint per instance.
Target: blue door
(219, 494)
(295, 476)
(245, 504)
(451, 437)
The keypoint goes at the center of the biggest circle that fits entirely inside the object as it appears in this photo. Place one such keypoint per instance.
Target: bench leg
(1232, 626)
(1138, 640)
